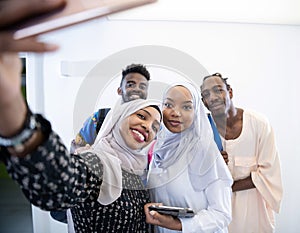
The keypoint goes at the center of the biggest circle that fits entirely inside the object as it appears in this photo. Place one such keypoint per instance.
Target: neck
(227, 120)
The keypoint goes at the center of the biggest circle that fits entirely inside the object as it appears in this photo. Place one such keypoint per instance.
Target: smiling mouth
(134, 97)
(138, 136)
(216, 106)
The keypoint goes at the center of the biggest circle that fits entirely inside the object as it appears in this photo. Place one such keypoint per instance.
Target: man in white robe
(252, 158)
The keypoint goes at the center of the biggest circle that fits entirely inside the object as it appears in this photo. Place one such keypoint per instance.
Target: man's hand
(225, 156)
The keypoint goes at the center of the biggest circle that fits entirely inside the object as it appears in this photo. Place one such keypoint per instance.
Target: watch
(17, 141)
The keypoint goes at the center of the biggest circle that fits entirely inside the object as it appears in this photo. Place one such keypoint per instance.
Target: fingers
(8, 44)
(151, 215)
(163, 220)
(81, 149)
(225, 156)
(12, 11)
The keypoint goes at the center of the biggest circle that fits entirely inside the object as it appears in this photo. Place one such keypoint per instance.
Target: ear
(230, 93)
(119, 90)
(204, 102)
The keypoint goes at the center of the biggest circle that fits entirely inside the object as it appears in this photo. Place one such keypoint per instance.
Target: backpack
(102, 112)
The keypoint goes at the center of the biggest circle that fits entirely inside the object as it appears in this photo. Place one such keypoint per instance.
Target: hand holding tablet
(174, 211)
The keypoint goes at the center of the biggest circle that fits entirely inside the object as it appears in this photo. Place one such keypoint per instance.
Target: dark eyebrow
(214, 86)
(146, 112)
(130, 81)
(185, 102)
(188, 102)
(169, 99)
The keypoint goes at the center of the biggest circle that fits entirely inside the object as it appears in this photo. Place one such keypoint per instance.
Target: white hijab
(192, 149)
(113, 152)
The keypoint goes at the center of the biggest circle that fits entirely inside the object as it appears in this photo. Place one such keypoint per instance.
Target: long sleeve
(211, 202)
(267, 177)
(51, 178)
(217, 216)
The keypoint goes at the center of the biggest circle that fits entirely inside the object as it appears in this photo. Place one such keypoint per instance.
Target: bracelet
(17, 141)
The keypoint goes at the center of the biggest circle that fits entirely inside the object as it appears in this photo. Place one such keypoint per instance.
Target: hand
(81, 149)
(225, 156)
(166, 221)
(31, 44)
(14, 11)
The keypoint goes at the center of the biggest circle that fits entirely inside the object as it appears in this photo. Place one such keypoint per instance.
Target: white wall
(261, 60)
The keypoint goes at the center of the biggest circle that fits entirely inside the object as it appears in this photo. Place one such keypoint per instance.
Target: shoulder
(256, 117)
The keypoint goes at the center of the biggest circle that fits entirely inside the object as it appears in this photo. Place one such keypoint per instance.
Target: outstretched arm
(13, 108)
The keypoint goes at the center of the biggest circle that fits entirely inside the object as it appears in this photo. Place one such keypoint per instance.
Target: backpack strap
(217, 137)
(102, 112)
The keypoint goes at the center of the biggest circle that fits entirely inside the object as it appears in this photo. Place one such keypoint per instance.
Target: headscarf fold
(113, 152)
(193, 149)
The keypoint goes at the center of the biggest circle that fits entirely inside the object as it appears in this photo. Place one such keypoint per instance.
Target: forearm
(53, 179)
(243, 184)
(216, 216)
(12, 104)
(12, 115)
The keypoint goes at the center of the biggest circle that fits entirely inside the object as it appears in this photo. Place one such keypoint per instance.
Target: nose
(176, 112)
(146, 126)
(137, 89)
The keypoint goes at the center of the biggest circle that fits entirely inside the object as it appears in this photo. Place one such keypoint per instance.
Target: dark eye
(141, 116)
(143, 87)
(217, 90)
(187, 107)
(154, 129)
(168, 105)
(205, 95)
(130, 85)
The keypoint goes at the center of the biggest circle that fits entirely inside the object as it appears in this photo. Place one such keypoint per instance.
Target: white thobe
(254, 152)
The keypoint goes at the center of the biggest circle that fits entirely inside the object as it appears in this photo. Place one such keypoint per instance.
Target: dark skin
(11, 99)
(14, 11)
(217, 97)
(167, 221)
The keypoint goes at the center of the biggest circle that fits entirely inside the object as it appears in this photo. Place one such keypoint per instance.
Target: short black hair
(135, 68)
(224, 80)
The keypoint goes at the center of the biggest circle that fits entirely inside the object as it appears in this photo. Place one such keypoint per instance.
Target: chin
(175, 130)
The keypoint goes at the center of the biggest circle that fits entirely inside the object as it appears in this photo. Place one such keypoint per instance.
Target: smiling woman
(186, 154)
(107, 177)
(140, 127)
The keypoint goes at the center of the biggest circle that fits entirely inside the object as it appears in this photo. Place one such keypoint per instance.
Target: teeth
(141, 136)
(135, 97)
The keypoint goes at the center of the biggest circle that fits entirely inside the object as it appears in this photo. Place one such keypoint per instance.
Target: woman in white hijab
(187, 169)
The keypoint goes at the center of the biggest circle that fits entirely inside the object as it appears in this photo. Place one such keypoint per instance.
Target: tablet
(174, 211)
(75, 11)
